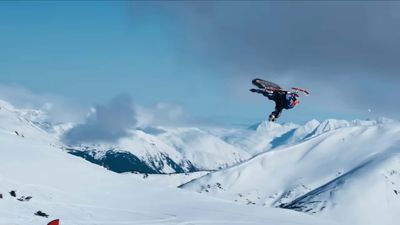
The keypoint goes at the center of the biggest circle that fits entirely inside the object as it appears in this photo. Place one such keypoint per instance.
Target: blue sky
(202, 56)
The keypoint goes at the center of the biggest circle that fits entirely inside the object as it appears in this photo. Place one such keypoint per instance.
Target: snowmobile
(283, 99)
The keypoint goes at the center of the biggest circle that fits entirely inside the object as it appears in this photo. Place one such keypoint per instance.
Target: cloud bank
(106, 123)
(55, 108)
(164, 114)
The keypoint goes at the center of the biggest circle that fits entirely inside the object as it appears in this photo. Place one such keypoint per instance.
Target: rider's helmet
(292, 99)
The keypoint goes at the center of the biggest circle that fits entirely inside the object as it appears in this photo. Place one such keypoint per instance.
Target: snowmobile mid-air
(283, 99)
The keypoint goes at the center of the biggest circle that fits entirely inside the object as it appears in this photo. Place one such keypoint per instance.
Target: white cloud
(56, 108)
(162, 113)
(105, 123)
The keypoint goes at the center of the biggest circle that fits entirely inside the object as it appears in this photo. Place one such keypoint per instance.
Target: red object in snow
(54, 222)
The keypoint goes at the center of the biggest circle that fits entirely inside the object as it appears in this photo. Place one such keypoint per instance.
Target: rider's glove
(253, 90)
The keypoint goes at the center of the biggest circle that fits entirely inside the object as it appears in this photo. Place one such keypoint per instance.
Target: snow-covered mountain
(25, 123)
(343, 170)
(257, 138)
(39, 182)
(169, 150)
(146, 150)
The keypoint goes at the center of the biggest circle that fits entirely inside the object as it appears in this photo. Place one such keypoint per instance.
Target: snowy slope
(77, 192)
(169, 180)
(318, 168)
(20, 122)
(370, 191)
(337, 163)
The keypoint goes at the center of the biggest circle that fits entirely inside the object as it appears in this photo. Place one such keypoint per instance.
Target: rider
(283, 100)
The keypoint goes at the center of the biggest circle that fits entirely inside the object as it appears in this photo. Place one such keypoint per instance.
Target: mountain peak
(268, 125)
(6, 105)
